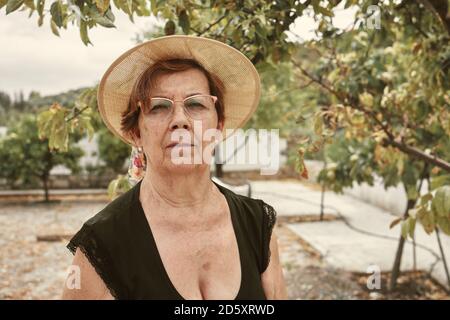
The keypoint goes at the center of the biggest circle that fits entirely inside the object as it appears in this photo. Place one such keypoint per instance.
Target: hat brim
(240, 78)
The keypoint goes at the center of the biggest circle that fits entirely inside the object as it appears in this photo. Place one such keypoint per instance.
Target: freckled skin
(155, 136)
(206, 266)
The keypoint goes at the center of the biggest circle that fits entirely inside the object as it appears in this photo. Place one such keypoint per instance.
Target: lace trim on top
(270, 217)
(86, 240)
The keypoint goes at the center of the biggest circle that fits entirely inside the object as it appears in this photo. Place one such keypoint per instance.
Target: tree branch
(419, 154)
(212, 24)
(344, 98)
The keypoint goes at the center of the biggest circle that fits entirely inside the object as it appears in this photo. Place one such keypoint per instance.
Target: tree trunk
(45, 182)
(322, 196)
(397, 262)
(401, 243)
(46, 174)
(444, 261)
(414, 253)
(398, 255)
(322, 200)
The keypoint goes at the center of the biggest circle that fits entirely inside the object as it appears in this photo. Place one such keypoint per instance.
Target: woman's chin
(183, 168)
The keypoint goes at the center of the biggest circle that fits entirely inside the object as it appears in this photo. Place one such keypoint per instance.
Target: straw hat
(239, 76)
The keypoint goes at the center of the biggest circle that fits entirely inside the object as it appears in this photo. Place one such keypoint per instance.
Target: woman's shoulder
(109, 227)
(258, 219)
(254, 206)
(116, 214)
(254, 210)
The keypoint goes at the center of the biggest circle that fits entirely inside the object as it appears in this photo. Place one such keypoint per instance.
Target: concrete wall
(392, 199)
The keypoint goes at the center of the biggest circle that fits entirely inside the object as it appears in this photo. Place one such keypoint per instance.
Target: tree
(5, 100)
(389, 85)
(389, 94)
(113, 151)
(27, 159)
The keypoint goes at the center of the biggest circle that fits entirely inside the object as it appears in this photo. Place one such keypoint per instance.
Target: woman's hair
(146, 81)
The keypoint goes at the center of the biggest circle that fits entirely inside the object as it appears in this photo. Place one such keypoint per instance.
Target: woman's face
(156, 135)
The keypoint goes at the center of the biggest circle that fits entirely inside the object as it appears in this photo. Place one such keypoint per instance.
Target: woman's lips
(179, 145)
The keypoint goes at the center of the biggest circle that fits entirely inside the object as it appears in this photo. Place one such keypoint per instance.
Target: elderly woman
(176, 234)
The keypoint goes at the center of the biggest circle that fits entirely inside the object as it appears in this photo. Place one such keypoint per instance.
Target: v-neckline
(152, 240)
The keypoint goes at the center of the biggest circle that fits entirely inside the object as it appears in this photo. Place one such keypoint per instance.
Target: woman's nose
(179, 118)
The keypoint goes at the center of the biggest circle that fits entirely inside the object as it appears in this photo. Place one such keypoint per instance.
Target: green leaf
(112, 188)
(118, 186)
(153, 7)
(169, 28)
(183, 21)
(56, 11)
(130, 6)
(110, 15)
(405, 228)
(408, 227)
(444, 224)
(412, 192)
(324, 11)
(412, 226)
(366, 99)
(13, 5)
(318, 124)
(84, 33)
(104, 21)
(40, 7)
(439, 181)
(425, 198)
(40, 20)
(54, 28)
(441, 202)
(428, 222)
(349, 3)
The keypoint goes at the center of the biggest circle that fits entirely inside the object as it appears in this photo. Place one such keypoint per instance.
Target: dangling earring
(138, 165)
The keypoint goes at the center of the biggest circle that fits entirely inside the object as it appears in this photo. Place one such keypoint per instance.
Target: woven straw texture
(239, 76)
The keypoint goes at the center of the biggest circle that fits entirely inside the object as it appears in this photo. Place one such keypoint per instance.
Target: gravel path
(31, 269)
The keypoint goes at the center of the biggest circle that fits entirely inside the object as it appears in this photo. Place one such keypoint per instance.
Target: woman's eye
(159, 107)
(195, 104)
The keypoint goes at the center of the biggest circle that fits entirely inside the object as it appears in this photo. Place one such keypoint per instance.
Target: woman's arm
(272, 278)
(91, 285)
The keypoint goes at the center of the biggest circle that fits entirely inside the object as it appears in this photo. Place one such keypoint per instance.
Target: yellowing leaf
(395, 222)
(102, 5)
(366, 99)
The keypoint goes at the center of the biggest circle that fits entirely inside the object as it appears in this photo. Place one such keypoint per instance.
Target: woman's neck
(179, 191)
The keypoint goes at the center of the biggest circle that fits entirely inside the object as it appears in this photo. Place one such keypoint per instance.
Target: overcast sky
(32, 58)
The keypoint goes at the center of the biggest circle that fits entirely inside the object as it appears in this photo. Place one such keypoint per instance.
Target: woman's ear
(220, 125)
(136, 136)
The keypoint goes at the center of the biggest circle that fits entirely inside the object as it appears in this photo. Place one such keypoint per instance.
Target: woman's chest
(202, 266)
(200, 262)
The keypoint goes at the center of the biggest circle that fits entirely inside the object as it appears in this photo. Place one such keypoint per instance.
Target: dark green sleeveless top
(119, 244)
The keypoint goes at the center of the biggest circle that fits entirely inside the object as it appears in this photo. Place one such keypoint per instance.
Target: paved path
(360, 239)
